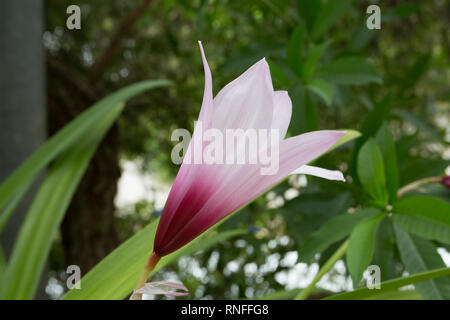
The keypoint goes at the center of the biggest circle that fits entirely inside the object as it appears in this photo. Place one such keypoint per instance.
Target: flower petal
(282, 112)
(162, 287)
(247, 183)
(206, 110)
(320, 172)
(247, 101)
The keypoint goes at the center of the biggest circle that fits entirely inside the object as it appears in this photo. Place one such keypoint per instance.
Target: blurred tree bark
(22, 96)
(88, 231)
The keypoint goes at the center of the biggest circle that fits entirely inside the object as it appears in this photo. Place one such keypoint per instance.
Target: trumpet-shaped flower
(203, 194)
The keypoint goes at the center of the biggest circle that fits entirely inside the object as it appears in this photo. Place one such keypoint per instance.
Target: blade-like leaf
(397, 295)
(37, 232)
(308, 11)
(332, 231)
(371, 172)
(425, 216)
(385, 141)
(383, 255)
(390, 285)
(348, 71)
(295, 50)
(19, 181)
(328, 14)
(415, 72)
(323, 89)
(46, 212)
(361, 247)
(419, 255)
(116, 275)
(314, 54)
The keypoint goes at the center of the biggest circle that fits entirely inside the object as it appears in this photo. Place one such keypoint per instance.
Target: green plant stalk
(149, 266)
(416, 184)
(338, 254)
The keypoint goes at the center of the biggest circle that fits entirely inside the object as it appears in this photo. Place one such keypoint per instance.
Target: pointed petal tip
(320, 172)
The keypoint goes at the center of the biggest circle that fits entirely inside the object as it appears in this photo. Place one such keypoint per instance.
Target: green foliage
(425, 216)
(22, 274)
(328, 14)
(349, 70)
(391, 285)
(371, 173)
(386, 143)
(108, 281)
(361, 247)
(338, 74)
(332, 231)
(420, 255)
(322, 89)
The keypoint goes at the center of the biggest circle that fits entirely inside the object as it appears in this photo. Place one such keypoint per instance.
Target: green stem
(416, 184)
(149, 266)
(339, 253)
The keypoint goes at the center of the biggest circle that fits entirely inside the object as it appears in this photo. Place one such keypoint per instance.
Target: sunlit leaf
(332, 231)
(361, 247)
(116, 275)
(371, 172)
(420, 255)
(386, 143)
(390, 285)
(17, 183)
(428, 217)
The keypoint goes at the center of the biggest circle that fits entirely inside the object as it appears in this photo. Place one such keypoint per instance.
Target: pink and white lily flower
(204, 194)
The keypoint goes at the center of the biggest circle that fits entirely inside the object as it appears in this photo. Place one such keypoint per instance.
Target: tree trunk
(22, 99)
(88, 231)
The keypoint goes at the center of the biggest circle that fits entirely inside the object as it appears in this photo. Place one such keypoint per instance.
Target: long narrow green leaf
(36, 234)
(397, 295)
(295, 50)
(390, 285)
(33, 243)
(419, 255)
(308, 11)
(386, 143)
(361, 247)
(116, 275)
(323, 89)
(328, 14)
(17, 183)
(425, 207)
(383, 255)
(332, 231)
(2, 261)
(349, 71)
(425, 216)
(371, 174)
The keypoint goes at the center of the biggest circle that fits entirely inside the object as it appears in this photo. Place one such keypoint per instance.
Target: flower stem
(338, 254)
(149, 266)
(416, 184)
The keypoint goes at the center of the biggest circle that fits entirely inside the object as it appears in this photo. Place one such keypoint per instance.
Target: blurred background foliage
(339, 74)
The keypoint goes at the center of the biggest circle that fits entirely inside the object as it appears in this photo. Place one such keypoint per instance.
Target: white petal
(162, 287)
(282, 112)
(246, 102)
(320, 172)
